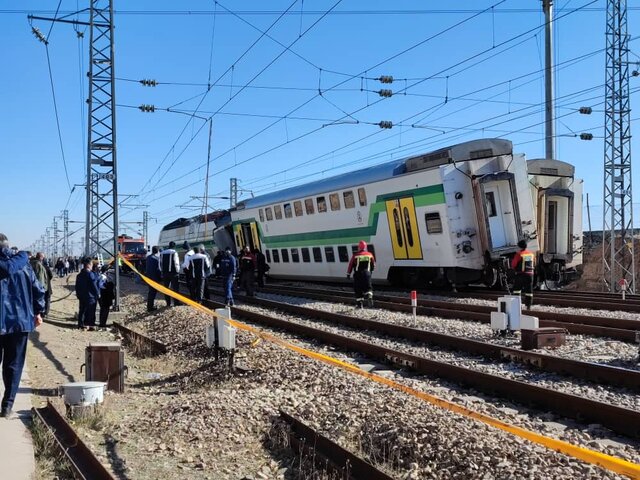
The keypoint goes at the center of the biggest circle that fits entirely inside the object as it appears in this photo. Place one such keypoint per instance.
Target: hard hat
(362, 245)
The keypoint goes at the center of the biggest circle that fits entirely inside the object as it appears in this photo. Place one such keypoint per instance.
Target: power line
(362, 108)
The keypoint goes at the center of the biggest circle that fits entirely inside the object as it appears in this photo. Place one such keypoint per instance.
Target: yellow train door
(403, 228)
(249, 235)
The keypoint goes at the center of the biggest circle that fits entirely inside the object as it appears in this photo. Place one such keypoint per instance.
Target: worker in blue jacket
(153, 272)
(88, 293)
(21, 308)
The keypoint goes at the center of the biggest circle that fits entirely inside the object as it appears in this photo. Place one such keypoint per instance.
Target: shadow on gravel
(42, 346)
(118, 465)
(70, 325)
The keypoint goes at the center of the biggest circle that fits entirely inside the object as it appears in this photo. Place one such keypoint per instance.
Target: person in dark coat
(88, 294)
(247, 271)
(262, 267)
(107, 294)
(153, 272)
(197, 269)
(228, 267)
(21, 308)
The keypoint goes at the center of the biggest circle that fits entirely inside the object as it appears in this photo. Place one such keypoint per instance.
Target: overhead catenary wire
(429, 38)
(472, 57)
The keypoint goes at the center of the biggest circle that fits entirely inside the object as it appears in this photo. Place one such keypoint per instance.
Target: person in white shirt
(170, 266)
(199, 265)
(186, 265)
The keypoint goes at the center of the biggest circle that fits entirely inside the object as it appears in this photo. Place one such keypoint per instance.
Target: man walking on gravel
(362, 264)
(21, 307)
(228, 267)
(88, 293)
(524, 264)
(153, 271)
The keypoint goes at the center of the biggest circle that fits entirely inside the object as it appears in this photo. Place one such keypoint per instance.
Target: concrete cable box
(549, 337)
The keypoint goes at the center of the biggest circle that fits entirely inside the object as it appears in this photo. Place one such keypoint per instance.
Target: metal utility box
(550, 337)
(104, 362)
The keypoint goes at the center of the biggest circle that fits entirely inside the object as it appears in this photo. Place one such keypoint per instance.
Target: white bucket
(84, 393)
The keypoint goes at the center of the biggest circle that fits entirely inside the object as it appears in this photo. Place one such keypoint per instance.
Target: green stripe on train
(422, 197)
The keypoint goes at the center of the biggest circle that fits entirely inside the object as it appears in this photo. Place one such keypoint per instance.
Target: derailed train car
(557, 200)
(454, 215)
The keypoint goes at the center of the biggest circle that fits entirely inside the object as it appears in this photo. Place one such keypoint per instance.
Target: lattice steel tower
(617, 230)
(101, 230)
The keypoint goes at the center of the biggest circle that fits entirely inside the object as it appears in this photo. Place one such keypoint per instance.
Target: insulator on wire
(586, 136)
(148, 83)
(147, 108)
(385, 79)
(585, 110)
(385, 124)
(39, 35)
(385, 92)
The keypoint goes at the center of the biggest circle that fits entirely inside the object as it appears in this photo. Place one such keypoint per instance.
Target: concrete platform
(16, 453)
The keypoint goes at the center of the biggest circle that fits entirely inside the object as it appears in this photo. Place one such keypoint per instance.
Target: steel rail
(592, 372)
(616, 328)
(82, 460)
(152, 345)
(621, 420)
(325, 452)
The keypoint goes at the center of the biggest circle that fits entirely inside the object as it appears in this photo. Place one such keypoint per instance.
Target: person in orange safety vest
(523, 263)
(362, 264)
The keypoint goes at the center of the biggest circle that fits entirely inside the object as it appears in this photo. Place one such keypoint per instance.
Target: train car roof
(472, 150)
(214, 217)
(553, 168)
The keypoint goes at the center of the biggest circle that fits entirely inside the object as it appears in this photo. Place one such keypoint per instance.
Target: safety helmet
(362, 245)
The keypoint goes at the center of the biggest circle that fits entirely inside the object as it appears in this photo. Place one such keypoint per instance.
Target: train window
(267, 254)
(268, 213)
(261, 214)
(305, 255)
(491, 203)
(329, 254)
(287, 210)
(317, 254)
(295, 256)
(362, 197)
(277, 209)
(308, 206)
(285, 255)
(343, 254)
(349, 201)
(334, 200)
(297, 207)
(372, 249)
(322, 204)
(276, 255)
(407, 226)
(434, 224)
(398, 227)
(354, 248)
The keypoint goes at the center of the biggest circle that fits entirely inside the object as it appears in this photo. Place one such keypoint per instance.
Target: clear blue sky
(445, 50)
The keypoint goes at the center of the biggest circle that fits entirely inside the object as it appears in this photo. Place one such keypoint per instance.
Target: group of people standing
(94, 286)
(197, 267)
(66, 265)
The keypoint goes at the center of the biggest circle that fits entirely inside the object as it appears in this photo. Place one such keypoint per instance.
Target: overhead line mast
(617, 231)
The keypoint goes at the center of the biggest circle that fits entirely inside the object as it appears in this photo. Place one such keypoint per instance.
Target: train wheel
(489, 276)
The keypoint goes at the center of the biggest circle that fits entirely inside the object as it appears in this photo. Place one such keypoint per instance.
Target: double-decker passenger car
(453, 215)
(557, 200)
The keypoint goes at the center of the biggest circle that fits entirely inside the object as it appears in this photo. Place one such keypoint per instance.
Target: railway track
(82, 460)
(554, 298)
(622, 420)
(592, 372)
(619, 329)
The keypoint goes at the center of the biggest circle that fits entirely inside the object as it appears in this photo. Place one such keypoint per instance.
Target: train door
(494, 215)
(551, 231)
(403, 228)
(249, 235)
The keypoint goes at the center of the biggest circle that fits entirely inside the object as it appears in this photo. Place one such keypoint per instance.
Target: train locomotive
(453, 216)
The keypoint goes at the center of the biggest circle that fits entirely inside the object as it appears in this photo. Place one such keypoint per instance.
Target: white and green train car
(453, 215)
